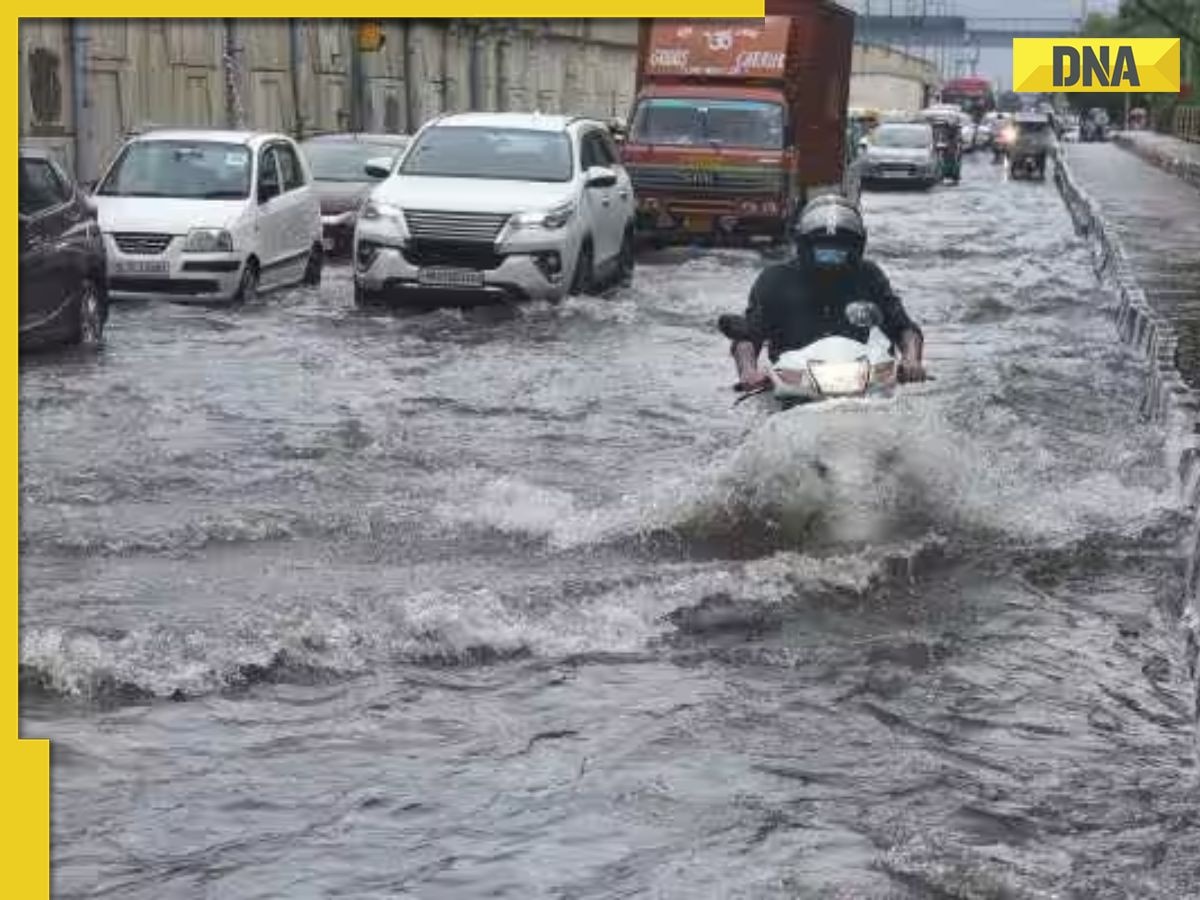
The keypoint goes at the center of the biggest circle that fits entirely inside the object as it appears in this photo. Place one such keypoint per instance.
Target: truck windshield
(729, 123)
(512, 154)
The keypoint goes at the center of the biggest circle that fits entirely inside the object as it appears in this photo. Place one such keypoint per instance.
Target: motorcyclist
(795, 303)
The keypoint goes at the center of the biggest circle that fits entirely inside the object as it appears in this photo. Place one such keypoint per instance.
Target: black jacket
(790, 308)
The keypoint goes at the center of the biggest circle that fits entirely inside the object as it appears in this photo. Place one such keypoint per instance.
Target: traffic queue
(731, 133)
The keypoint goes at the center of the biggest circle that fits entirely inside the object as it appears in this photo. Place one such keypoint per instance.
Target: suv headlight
(208, 240)
(382, 214)
(554, 218)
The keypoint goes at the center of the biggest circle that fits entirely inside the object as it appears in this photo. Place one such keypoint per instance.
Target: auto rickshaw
(947, 138)
(1028, 154)
(862, 122)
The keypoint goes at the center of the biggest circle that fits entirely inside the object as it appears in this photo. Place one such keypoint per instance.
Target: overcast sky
(993, 62)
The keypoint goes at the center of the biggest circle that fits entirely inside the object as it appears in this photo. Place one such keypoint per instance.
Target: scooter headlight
(841, 379)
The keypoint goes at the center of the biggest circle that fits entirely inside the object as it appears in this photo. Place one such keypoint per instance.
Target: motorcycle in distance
(832, 367)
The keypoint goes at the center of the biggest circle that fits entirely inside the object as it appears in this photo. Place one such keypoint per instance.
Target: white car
(211, 215)
(497, 205)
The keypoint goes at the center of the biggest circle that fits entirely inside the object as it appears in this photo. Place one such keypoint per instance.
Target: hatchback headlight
(554, 218)
(208, 240)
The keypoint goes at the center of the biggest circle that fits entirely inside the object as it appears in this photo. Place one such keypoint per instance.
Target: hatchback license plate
(459, 278)
(142, 267)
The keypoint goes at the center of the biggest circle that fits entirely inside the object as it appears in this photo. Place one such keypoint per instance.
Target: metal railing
(1187, 123)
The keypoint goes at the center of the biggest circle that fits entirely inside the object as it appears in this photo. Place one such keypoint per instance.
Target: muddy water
(515, 603)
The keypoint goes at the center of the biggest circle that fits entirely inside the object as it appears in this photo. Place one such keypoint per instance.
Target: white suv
(497, 205)
(209, 215)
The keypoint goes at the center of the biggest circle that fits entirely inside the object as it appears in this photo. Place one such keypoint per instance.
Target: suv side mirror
(378, 167)
(601, 177)
(267, 190)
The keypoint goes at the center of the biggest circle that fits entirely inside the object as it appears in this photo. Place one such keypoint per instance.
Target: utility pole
(235, 110)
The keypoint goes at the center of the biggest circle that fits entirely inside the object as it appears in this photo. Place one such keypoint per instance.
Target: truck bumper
(663, 220)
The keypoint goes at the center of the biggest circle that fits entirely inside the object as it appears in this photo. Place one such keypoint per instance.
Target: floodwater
(516, 603)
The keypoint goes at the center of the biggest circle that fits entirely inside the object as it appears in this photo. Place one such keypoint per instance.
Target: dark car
(337, 162)
(62, 295)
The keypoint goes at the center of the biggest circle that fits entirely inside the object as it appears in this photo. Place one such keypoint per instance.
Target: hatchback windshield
(910, 137)
(201, 170)
(732, 123)
(510, 154)
(344, 160)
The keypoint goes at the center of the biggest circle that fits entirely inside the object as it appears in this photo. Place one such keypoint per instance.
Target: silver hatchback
(900, 153)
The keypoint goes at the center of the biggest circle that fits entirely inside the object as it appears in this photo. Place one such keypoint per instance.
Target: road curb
(1181, 169)
(1168, 399)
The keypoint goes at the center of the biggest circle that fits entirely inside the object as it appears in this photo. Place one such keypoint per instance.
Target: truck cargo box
(802, 47)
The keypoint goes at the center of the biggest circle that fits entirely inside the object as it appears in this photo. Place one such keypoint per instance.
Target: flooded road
(516, 603)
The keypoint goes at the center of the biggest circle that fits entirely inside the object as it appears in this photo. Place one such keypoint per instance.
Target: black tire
(316, 263)
(364, 299)
(247, 290)
(91, 312)
(583, 279)
(627, 260)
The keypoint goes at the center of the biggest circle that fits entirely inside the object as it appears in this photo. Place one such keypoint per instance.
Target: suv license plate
(141, 267)
(459, 278)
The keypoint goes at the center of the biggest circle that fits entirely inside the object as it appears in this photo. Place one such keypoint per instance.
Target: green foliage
(1145, 18)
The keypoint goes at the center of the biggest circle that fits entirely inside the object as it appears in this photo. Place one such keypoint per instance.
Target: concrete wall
(304, 76)
(884, 78)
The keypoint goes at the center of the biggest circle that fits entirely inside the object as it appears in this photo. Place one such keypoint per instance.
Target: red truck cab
(737, 122)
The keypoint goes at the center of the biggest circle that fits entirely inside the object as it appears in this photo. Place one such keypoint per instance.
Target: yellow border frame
(25, 764)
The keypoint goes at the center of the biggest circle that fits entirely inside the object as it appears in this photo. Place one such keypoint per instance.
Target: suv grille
(686, 180)
(480, 257)
(142, 244)
(480, 228)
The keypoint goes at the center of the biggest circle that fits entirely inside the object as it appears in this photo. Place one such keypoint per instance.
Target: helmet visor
(831, 256)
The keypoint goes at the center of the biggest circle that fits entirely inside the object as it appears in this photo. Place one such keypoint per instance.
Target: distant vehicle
(736, 122)
(61, 295)
(1028, 153)
(900, 153)
(209, 215)
(973, 94)
(493, 206)
(1005, 135)
(337, 162)
(1094, 126)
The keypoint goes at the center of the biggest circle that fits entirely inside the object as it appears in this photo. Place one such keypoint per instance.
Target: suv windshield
(732, 123)
(200, 170)
(344, 160)
(909, 137)
(509, 154)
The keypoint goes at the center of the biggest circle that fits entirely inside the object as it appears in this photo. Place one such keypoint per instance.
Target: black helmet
(830, 232)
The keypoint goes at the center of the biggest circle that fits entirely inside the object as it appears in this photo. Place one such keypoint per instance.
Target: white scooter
(835, 367)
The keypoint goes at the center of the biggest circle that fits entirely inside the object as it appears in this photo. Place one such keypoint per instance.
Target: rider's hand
(753, 381)
(910, 370)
